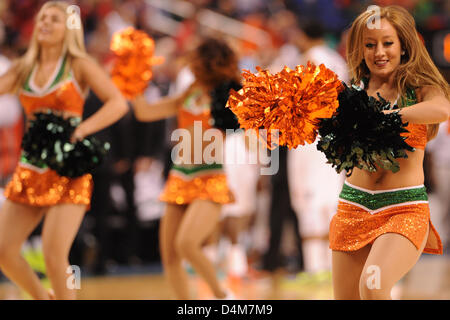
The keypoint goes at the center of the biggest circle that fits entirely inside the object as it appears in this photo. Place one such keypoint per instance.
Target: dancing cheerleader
(54, 74)
(194, 193)
(383, 224)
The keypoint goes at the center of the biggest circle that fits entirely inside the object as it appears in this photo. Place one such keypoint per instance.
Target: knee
(171, 260)
(184, 246)
(169, 256)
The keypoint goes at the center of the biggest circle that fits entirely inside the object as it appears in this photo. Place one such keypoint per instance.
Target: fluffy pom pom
(223, 117)
(290, 101)
(47, 143)
(360, 135)
(132, 68)
(44, 130)
(75, 160)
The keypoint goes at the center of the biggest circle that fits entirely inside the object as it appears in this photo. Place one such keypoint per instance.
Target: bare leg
(201, 218)
(347, 267)
(58, 233)
(233, 227)
(17, 221)
(214, 238)
(172, 262)
(391, 257)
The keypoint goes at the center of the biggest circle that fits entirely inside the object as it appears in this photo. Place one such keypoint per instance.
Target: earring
(403, 52)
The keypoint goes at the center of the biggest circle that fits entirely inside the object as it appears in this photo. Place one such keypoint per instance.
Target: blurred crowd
(121, 227)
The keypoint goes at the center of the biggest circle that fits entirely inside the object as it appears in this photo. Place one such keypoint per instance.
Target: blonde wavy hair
(416, 68)
(73, 45)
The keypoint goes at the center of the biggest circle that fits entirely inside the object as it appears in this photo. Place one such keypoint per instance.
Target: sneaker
(237, 261)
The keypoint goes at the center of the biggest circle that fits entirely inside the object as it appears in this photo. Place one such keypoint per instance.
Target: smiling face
(382, 50)
(51, 26)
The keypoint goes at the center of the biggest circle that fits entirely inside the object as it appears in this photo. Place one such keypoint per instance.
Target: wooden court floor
(429, 280)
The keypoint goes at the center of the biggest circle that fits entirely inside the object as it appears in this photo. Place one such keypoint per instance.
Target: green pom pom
(47, 144)
(360, 135)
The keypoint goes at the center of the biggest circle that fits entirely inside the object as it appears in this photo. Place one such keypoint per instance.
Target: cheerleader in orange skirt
(383, 225)
(194, 192)
(54, 74)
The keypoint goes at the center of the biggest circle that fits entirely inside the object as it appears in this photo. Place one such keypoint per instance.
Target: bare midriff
(202, 149)
(410, 174)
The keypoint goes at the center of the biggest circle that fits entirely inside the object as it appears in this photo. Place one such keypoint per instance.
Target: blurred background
(275, 255)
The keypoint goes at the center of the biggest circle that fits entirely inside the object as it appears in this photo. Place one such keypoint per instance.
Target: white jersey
(330, 58)
(242, 176)
(439, 147)
(314, 185)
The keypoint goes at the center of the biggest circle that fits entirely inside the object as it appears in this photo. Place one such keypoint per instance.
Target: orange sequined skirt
(206, 182)
(43, 187)
(363, 215)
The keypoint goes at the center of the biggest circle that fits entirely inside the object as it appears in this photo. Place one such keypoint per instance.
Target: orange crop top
(191, 111)
(60, 93)
(417, 136)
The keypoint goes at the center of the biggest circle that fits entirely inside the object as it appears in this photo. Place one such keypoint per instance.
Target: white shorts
(314, 188)
(242, 177)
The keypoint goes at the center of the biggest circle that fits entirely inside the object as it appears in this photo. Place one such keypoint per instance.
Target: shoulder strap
(410, 97)
(60, 73)
(26, 85)
(407, 100)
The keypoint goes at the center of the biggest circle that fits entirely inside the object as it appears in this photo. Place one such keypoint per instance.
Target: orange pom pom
(290, 101)
(132, 68)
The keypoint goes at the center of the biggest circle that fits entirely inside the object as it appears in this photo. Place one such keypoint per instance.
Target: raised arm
(115, 105)
(165, 108)
(433, 108)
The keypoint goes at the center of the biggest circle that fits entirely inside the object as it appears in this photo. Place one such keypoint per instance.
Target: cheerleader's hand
(78, 134)
(390, 111)
(137, 100)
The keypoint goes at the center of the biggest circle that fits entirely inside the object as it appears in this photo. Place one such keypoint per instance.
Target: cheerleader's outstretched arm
(434, 108)
(164, 108)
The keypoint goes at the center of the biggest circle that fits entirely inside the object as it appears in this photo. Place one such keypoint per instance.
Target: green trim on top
(196, 169)
(382, 199)
(60, 73)
(410, 98)
(26, 85)
(407, 101)
(190, 103)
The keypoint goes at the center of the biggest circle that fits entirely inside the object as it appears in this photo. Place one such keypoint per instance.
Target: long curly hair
(213, 61)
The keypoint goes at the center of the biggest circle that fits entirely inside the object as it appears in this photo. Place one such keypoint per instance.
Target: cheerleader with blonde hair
(53, 75)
